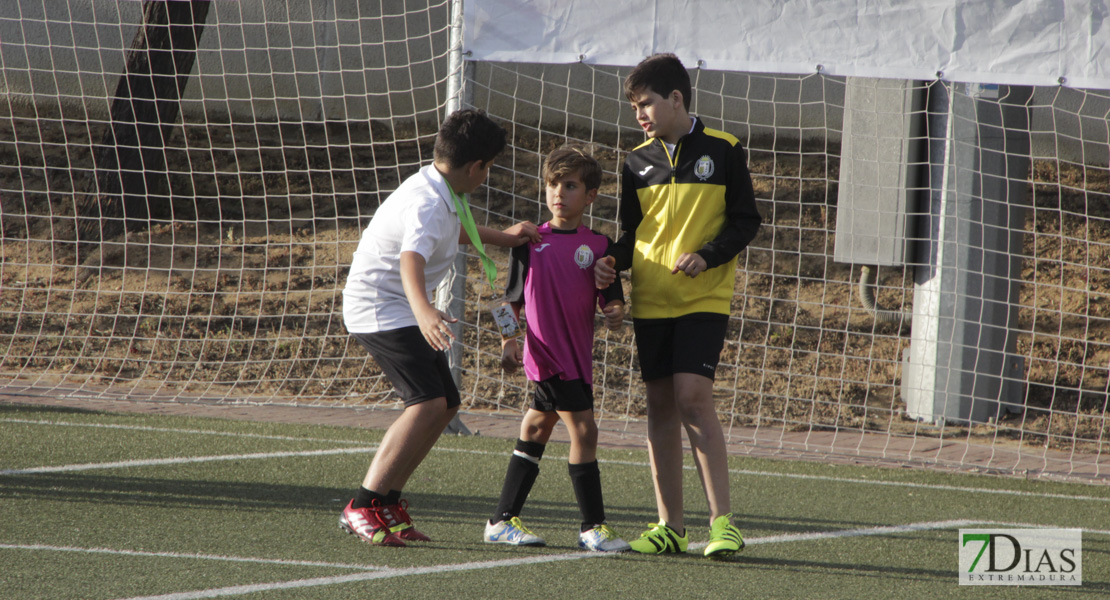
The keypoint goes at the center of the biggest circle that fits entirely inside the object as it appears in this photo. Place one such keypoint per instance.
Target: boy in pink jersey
(554, 282)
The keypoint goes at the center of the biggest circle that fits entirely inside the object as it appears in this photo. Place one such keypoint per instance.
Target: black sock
(393, 497)
(523, 469)
(586, 479)
(364, 498)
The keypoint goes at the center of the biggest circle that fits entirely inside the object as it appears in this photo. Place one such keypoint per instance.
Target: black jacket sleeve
(631, 214)
(615, 291)
(742, 219)
(518, 272)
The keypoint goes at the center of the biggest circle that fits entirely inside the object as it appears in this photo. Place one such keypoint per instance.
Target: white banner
(1017, 42)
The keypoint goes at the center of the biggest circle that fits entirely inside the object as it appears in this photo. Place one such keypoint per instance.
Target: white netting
(223, 282)
(292, 127)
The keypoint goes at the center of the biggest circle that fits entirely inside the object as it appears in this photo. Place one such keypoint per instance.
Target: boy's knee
(695, 409)
(537, 430)
(437, 409)
(662, 407)
(586, 432)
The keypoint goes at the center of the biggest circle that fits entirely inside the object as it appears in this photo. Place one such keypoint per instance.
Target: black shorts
(417, 371)
(687, 344)
(554, 394)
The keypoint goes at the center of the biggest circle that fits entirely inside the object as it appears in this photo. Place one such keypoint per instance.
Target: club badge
(704, 168)
(584, 257)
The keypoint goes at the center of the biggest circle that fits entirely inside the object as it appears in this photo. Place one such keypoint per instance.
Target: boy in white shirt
(403, 255)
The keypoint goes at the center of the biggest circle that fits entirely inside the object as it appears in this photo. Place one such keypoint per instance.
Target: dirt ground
(233, 290)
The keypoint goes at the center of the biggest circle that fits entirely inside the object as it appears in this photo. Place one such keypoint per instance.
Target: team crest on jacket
(704, 168)
(584, 256)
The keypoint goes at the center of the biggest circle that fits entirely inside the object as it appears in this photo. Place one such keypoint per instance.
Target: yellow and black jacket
(699, 200)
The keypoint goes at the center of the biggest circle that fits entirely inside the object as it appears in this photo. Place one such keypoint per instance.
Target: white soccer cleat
(602, 538)
(511, 532)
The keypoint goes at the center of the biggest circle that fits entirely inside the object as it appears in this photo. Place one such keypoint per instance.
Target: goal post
(300, 118)
(451, 293)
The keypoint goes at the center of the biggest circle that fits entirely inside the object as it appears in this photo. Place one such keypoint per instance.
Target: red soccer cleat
(396, 516)
(368, 525)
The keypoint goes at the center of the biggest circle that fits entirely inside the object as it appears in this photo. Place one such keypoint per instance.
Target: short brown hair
(572, 158)
(662, 74)
(468, 135)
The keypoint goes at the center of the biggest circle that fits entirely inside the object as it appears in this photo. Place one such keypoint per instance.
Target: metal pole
(451, 292)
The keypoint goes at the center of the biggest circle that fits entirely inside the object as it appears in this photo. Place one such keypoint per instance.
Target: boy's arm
(614, 290)
(432, 322)
(519, 259)
(619, 255)
(521, 233)
(742, 219)
(631, 214)
(511, 355)
(614, 314)
(611, 300)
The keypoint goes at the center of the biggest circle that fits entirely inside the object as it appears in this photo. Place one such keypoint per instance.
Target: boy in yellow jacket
(687, 209)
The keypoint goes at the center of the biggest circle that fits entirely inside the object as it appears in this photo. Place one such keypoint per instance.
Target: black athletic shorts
(554, 394)
(418, 372)
(687, 344)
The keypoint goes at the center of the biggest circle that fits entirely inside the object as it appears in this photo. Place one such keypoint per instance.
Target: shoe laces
(604, 531)
(402, 509)
(517, 524)
(371, 519)
(657, 529)
(388, 514)
(721, 524)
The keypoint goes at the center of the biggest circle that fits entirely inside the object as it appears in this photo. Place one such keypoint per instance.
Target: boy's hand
(511, 357)
(434, 325)
(614, 315)
(524, 232)
(605, 272)
(690, 263)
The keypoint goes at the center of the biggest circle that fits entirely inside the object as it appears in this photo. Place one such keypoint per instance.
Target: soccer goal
(182, 185)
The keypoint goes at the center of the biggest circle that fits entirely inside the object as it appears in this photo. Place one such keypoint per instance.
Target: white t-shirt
(418, 217)
(671, 147)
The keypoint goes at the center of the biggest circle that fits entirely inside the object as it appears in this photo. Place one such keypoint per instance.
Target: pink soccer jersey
(560, 300)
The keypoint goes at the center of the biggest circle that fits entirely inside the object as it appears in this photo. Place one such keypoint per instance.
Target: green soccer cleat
(660, 539)
(724, 539)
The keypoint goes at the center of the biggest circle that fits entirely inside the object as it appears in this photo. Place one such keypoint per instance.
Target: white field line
(376, 572)
(216, 557)
(805, 477)
(774, 539)
(921, 486)
(849, 480)
(388, 573)
(259, 436)
(1036, 526)
(184, 460)
(881, 530)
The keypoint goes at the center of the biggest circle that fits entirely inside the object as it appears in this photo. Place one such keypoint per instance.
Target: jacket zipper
(672, 199)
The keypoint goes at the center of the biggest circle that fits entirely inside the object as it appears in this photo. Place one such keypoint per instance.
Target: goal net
(181, 193)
